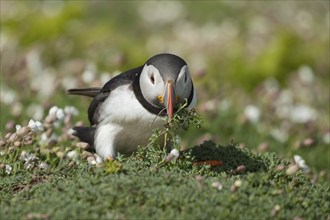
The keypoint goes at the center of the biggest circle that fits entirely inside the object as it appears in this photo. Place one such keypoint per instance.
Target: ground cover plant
(261, 71)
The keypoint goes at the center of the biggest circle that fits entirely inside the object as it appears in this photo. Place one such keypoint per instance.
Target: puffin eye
(152, 79)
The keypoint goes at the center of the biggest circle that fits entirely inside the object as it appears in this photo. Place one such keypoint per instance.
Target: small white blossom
(7, 96)
(91, 160)
(279, 134)
(72, 155)
(43, 166)
(252, 113)
(98, 159)
(18, 127)
(60, 114)
(35, 125)
(302, 114)
(70, 110)
(89, 74)
(217, 185)
(29, 160)
(301, 163)
(238, 183)
(8, 169)
(306, 74)
(175, 153)
(53, 110)
(28, 157)
(44, 139)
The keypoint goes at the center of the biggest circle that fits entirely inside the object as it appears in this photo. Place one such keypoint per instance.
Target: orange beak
(169, 99)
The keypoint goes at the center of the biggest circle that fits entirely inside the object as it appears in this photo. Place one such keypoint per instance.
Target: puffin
(126, 110)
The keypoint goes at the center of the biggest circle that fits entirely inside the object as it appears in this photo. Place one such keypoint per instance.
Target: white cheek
(149, 89)
(193, 101)
(182, 86)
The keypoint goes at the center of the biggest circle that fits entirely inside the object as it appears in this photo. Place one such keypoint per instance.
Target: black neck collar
(150, 108)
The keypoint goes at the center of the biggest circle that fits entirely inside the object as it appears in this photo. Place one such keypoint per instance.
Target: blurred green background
(261, 69)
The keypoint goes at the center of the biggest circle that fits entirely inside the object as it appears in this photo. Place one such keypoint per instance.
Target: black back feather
(91, 92)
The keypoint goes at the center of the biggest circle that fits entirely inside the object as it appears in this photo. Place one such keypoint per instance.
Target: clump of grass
(184, 118)
(111, 166)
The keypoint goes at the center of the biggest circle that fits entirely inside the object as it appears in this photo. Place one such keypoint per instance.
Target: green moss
(112, 166)
(150, 188)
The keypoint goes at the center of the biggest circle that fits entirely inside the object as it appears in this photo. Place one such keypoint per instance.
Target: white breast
(124, 123)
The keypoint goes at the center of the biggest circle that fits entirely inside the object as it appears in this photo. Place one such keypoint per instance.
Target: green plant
(184, 118)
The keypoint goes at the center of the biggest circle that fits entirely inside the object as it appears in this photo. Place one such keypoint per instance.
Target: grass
(145, 187)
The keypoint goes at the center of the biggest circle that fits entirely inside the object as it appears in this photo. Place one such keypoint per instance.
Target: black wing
(124, 78)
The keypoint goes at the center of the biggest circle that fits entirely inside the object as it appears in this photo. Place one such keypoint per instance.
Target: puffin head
(165, 82)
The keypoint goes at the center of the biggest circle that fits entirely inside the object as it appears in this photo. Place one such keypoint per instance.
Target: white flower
(302, 114)
(53, 110)
(44, 138)
(301, 163)
(35, 125)
(306, 74)
(91, 160)
(28, 157)
(98, 159)
(72, 155)
(279, 134)
(7, 96)
(18, 127)
(60, 114)
(217, 185)
(175, 153)
(238, 183)
(89, 74)
(29, 160)
(252, 113)
(70, 110)
(8, 169)
(43, 166)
